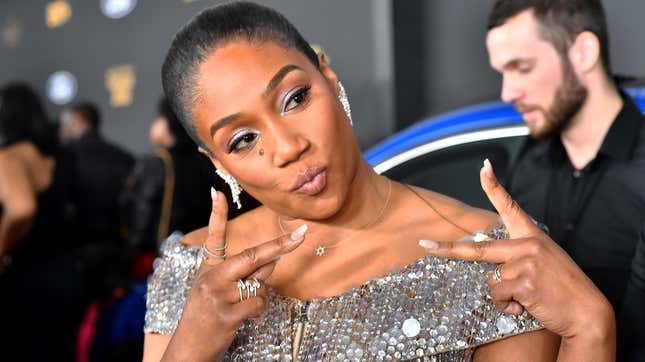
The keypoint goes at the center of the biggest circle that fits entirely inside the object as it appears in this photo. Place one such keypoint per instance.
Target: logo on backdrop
(61, 87)
(120, 81)
(57, 13)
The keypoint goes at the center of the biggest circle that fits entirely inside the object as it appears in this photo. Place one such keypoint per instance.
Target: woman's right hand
(536, 275)
(214, 310)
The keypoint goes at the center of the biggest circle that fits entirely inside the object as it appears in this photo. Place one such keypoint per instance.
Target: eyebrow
(273, 83)
(514, 63)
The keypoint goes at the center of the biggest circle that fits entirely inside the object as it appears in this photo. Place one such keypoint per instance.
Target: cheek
(327, 126)
(546, 81)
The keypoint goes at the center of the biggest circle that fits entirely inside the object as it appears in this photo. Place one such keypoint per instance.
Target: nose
(289, 144)
(510, 91)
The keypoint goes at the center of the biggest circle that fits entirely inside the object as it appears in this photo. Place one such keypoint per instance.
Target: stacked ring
(497, 274)
(249, 286)
(214, 253)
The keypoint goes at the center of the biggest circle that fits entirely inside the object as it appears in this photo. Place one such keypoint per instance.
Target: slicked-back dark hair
(560, 21)
(90, 113)
(213, 28)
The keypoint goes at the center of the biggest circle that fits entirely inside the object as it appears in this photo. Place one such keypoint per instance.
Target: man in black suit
(101, 172)
(582, 172)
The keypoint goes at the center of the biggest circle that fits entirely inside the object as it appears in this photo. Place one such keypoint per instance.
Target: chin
(320, 208)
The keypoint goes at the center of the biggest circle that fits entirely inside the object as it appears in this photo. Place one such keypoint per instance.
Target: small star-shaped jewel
(320, 251)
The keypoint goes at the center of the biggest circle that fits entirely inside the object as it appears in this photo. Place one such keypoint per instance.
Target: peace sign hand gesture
(227, 289)
(536, 275)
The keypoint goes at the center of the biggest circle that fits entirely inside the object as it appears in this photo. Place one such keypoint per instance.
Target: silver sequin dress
(432, 310)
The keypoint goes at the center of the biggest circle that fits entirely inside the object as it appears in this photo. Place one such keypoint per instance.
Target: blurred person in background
(101, 171)
(165, 191)
(582, 172)
(41, 292)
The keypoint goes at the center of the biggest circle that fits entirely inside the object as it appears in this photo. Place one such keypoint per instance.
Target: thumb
(215, 243)
(517, 222)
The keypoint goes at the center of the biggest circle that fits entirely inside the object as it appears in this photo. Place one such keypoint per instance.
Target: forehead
(241, 68)
(518, 37)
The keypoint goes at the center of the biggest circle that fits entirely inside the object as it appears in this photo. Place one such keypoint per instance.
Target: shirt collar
(619, 141)
(622, 135)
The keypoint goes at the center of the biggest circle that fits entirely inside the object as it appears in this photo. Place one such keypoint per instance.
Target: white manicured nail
(297, 234)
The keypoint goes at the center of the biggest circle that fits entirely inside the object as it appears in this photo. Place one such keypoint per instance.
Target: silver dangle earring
(236, 189)
(342, 96)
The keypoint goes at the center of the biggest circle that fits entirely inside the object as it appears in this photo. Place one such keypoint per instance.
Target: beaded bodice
(432, 310)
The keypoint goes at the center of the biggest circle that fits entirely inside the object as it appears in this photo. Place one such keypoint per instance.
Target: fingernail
(429, 244)
(299, 233)
(213, 193)
(488, 168)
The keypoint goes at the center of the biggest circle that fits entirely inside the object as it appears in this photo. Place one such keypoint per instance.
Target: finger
(503, 294)
(249, 260)
(522, 266)
(233, 295)
(215, 241)
(263, 272)
(491, 251)
(249, 308)
(230, 289)
(518, 223)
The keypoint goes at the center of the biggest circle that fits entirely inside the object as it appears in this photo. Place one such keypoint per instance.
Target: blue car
(444, 153)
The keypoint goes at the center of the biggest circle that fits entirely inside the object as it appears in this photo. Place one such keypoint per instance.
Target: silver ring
(220, 248)
(210, 254)
(241, 287)
(256, 286)
(249, 286)
(497, 274)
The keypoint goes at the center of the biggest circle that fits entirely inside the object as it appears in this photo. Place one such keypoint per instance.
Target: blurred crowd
(81, 222)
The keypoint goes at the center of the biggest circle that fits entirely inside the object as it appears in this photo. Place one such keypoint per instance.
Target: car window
(454, 171)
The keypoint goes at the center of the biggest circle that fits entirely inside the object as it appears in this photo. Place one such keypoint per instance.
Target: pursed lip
(305, 177)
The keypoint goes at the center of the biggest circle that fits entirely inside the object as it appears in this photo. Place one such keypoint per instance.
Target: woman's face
(274, 122)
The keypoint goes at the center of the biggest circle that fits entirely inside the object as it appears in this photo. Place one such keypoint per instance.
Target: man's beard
(569, 98)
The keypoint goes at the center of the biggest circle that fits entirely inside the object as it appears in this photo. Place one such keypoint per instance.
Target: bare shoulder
(195, 237)
(12, 165)
(239, 231)
(455, 211)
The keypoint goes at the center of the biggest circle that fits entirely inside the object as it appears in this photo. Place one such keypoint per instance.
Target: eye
(242, 141)
(296, 99)
(524, 69)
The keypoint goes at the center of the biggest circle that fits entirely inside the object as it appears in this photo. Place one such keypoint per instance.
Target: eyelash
(242, 137)
(302, 92)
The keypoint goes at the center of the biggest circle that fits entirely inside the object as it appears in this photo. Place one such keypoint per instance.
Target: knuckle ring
(217, 253)
(497, 274)
(241, 287)
(248, 288)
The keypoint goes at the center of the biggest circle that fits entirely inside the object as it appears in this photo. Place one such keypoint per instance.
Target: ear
(325, 69)
(213, 159)
(584, 53)
(331, 76)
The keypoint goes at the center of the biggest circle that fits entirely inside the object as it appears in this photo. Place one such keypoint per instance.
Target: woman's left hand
(539, 277)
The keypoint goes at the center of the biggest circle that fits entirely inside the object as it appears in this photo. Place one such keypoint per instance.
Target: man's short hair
(560, 21)
(90, 113)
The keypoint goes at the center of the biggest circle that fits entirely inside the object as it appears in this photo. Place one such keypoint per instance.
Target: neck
(586, 131)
